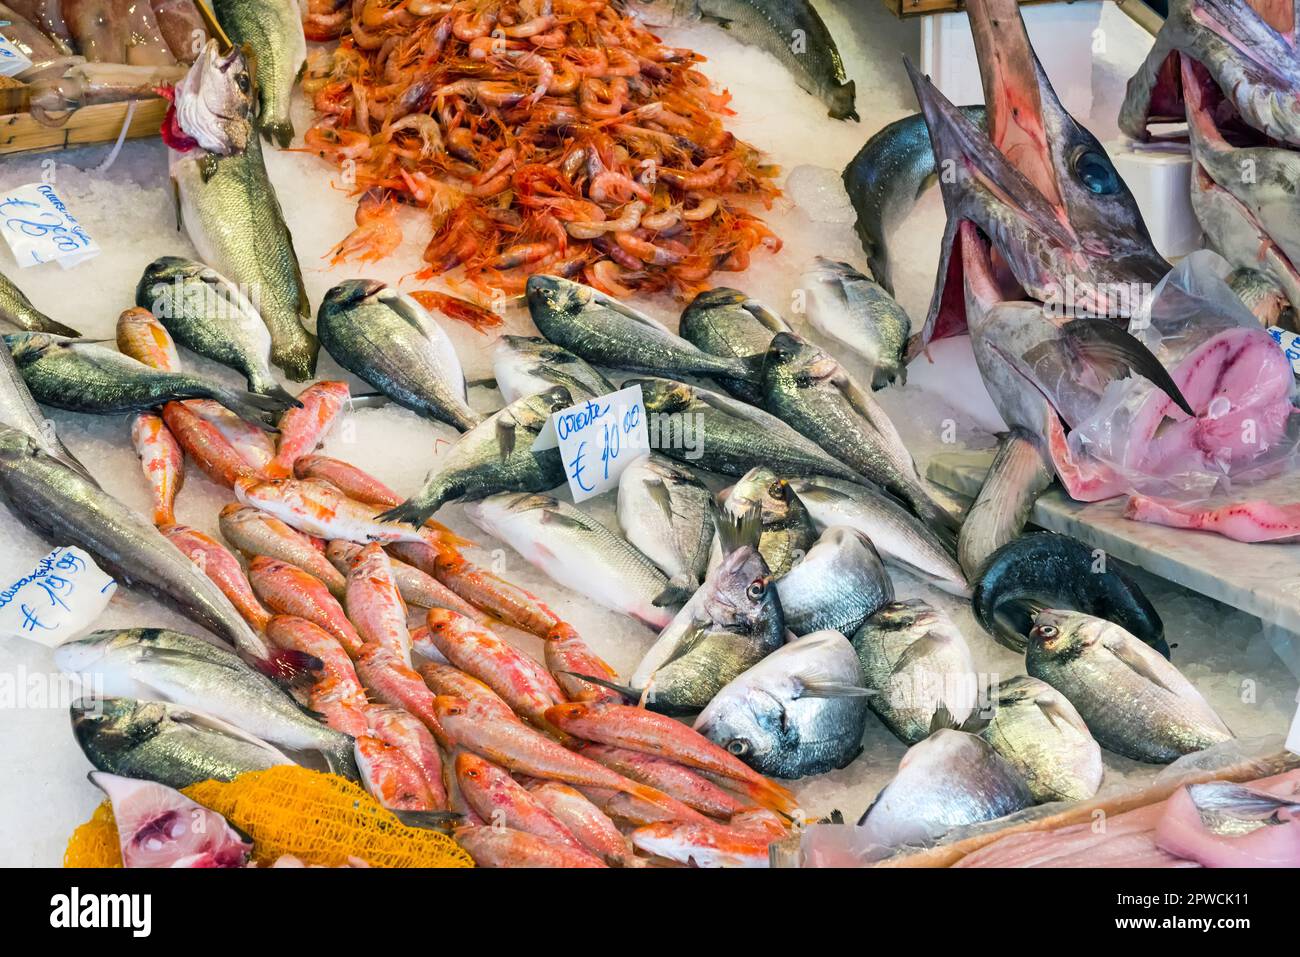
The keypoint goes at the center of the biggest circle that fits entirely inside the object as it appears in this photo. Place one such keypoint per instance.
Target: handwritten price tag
(39, 228)
(59, 599)
(1290, 344)
(1293, 739)
(13, 60)
(598, 439)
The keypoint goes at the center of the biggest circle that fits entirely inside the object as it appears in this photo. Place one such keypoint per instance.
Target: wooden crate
(101, 123)
(920, 8)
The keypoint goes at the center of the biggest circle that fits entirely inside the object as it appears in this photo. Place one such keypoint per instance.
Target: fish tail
(419, 508)
(279, 132)
(768, 793)
(261, 385)
(341, 759)
(249, 406)
(1020, 472)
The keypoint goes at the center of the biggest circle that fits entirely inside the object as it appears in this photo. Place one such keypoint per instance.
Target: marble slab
(1261, 579)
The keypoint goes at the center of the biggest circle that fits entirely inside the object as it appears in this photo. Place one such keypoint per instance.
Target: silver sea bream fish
(732, 622)
(837, 584)
(670, 515)
(166, 743)
(725, 322)
(762, 504)
(919, 665)
(1036, 728)
(951, 779)
(579, 553)
(1133, 700)
(391, 341)
(799, 711)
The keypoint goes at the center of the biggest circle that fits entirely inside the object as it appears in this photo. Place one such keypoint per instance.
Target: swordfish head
(1048, 207)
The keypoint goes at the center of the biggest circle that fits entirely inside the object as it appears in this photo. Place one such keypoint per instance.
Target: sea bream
(790, 30)
(732, 622)
(604, 331)
(227, 203)
(725, 322)
(837, 584)
(388, 339)
(854, 310)
(1134, 702)
(579, 553)
(799, 711)
(668, 514)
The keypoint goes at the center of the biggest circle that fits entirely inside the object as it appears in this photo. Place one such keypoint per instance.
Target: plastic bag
(1233, 374)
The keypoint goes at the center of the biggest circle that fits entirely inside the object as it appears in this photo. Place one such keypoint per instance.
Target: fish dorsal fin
(1127, 651)
(942, 719)
(1113, 353)
(609, 302)
(563, 518)
(766, 317)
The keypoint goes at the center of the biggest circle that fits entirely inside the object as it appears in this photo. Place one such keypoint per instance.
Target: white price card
(1293, 739)
(59, 599)
(598, 439)
(39, 227)
(1290, 344)
(13, 60)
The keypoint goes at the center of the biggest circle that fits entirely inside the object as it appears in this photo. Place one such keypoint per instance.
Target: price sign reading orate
(598, 439)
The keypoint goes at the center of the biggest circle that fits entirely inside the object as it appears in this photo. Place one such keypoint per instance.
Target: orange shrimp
(377, 234)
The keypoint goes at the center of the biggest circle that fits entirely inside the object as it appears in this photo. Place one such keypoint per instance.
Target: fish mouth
(1039, 187)
(1250, 52)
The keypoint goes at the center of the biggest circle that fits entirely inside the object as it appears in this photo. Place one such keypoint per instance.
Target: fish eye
(756, 589)
(778, 490)
(1046, 631)
(738, 746)
(1096, 173)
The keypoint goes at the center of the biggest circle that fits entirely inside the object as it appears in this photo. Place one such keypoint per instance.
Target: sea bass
(799, 711)
(230, 210)
(1134, 702)
(902, 539)
(17, 309)
(195, 673)
(812, 393)
(273, 32)
(65, 506)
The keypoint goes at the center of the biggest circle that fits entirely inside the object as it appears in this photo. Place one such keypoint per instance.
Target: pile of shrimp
(555, 136)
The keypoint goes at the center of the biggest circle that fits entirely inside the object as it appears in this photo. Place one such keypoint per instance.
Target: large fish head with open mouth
(1251, 55)
(1049, 210)
(214, 103)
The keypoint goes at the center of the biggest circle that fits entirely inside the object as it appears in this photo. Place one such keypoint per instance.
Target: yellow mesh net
(319, 818)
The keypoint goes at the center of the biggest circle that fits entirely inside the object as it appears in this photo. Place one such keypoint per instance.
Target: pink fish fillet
(1255, 521)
